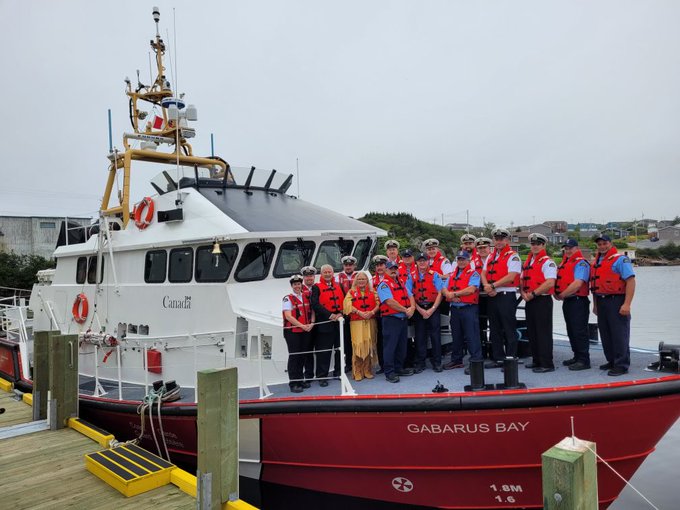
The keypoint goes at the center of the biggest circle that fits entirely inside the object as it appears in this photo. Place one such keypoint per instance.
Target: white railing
(14, 322)
(194, 344)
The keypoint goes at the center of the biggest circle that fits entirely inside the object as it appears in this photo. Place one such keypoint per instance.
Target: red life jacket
(365, 302)
(330, 296)
(603, 280)
(436, 263)
(424, 290)
(377, 279)
(497, 268)
(460, 280)
(302, 311)
(532, 272)
(476, 262)
(399, 294)
(405, 271)
(565, 274)
(345, 281)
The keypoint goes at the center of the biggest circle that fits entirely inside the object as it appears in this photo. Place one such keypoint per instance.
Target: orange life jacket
(497, 268)
(377, 279)
(399, 294)
(603, 279)
(460, 280)
(565, 275)
(330, 296)
(437, 261)
(424, 290)
(364, 301)
(532, 272)
(476, 262)
(302, 311)
(405, 271)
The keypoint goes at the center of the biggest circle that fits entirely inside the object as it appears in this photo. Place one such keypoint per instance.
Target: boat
(191, 278)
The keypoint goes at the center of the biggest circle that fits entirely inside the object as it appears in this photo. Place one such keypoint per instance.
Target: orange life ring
(144, 220)
(80, 308)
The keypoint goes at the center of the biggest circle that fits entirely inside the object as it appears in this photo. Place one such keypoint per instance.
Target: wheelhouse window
(155, 265)
(331, 252)
(255, 262)
(81, 269)
(92, 271)
(215, 267)
(181, 265)
(362, 251)
(293, 256)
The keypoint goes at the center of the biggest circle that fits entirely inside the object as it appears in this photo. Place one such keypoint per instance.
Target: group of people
(479, 289)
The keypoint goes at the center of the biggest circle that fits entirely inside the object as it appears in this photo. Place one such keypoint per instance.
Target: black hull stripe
(425, 404)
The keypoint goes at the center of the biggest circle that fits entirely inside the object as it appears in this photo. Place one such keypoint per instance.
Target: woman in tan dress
(361, 304)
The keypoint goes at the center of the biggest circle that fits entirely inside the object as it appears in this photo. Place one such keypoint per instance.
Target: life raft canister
(80, 308)
(143, 220)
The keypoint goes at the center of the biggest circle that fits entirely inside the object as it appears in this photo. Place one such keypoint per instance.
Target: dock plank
(16, 411)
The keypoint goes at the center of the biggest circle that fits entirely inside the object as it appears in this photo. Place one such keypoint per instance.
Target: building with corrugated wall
(32, 235)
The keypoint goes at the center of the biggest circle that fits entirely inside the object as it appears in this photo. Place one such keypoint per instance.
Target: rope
(158, 396)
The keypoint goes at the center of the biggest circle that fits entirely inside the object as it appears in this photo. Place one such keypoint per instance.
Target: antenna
(297, 175)
(110, 136)
(212, 145)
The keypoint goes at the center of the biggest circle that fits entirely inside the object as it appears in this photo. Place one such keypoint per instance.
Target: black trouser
(379, 341)
(327, 337)
(503, 325)
(614, 330)
(347, 342)
(539, 330)
(576, 311)
(428, 329)
(483, 321)
(297, 342)
(309, 358)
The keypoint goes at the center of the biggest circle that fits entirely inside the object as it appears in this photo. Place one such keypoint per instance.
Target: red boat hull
(452, 459)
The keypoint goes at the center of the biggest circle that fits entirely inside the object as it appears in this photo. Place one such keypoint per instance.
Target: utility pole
(467, 221)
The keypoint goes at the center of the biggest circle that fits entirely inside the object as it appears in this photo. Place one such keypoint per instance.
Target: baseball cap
(406, 253)
(422, 256)
(570, 243)
(603, 237)
(391, 264)
(462, 254)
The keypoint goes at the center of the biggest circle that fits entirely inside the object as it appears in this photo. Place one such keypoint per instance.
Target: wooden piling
(41, 367)
(570, 476)
(217, 473)
(63, 379)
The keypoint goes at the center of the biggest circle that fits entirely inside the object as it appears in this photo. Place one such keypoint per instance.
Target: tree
(19, 271)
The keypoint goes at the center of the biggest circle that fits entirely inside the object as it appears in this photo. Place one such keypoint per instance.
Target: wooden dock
(47, 470)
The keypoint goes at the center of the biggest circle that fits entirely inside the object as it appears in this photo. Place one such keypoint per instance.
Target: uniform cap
(391, 243)
(422, 256)
(570, 243)
(603, 237)
(463, 254)
(391, 264)
(348, 259)
(467, 238)
(483, 241)
(295, 278)
(379, 259)
(429, 243)
(537, 238)
(308, 270)
(500, 232)
(406, 253)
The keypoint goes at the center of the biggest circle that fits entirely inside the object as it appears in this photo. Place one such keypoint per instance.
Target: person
(571, 287)
(407, 267)
(392, 250)
(378, 276)
(537, 286)
(468, 242)
(483, 247)
(396, 306)
(437, 261)
(298, 321)
(345, 279)
(612, 283)
(500, 278)
(308, 277)
(462, 292)
(361, 305)
(326, 301)
(426, 288)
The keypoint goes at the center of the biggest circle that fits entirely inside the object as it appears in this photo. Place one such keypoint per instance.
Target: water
(655, 318)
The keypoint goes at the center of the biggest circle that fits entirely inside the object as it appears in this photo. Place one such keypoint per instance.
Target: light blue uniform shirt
(582, 271)
(623, 267)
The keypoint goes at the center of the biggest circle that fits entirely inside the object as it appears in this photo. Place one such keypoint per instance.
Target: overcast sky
(517, 111)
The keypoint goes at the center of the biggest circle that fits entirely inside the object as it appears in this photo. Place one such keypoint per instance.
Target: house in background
(32, 235)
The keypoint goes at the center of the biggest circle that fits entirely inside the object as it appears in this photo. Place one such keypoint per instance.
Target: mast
(168, 125)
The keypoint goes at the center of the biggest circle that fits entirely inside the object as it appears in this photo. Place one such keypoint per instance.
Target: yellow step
(129, 469)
